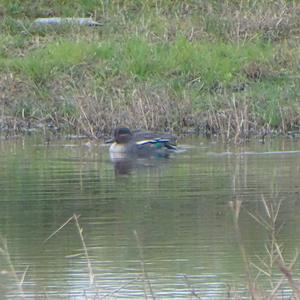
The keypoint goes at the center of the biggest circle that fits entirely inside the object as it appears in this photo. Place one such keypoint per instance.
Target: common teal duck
(141, 144)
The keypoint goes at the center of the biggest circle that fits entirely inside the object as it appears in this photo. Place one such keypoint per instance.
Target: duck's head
(122, 135)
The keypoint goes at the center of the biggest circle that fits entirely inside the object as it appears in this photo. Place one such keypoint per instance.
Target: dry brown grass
(274, 260)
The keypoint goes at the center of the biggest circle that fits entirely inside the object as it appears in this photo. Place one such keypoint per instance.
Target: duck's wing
(150, 136)
(110, 141)
(160, 142)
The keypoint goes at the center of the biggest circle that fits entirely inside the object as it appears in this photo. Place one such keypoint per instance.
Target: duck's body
(121, 148)
(126, 143)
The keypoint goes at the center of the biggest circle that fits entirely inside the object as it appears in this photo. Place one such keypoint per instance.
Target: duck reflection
(128, 164)
(124, 166)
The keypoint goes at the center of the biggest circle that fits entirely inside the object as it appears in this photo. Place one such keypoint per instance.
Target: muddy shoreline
(49, 132)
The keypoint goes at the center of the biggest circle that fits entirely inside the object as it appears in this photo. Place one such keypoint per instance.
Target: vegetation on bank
(228, 68)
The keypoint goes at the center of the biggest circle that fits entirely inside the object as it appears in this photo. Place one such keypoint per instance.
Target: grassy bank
(230, 69)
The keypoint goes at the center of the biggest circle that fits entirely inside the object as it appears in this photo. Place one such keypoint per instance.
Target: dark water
(185, 246)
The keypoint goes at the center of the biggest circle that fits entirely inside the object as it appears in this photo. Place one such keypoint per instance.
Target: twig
(142, 261)
(235, 207)
(80, 230)
(56, 231)
(4, 251)
(23, 275)
(193, 292)
(285, 270)
(121, 287)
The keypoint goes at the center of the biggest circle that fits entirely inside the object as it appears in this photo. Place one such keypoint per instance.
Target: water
(163, 222)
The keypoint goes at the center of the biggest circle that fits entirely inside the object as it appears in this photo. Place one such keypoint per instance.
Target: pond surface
(162, 228)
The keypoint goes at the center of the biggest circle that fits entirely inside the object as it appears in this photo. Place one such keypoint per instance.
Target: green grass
(44, 64)
(213, 63)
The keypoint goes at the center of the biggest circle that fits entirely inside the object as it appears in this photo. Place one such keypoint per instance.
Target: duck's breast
(118, 148)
